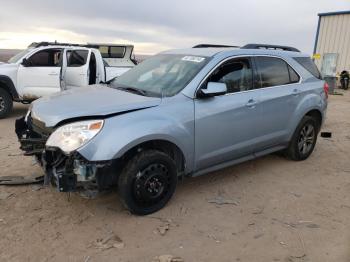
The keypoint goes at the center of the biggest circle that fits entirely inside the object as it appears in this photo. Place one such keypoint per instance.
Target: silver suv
(179, 113)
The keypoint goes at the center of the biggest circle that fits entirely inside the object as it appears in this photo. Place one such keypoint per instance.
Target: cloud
(155, 25)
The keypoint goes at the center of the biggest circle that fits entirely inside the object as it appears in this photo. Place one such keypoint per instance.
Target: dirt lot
(276, 210)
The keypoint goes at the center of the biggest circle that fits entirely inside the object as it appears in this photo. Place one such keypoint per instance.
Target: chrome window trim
(248, 56)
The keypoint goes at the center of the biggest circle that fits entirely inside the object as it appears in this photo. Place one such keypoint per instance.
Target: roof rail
(214, 46)
(275, 47)
(39, 44)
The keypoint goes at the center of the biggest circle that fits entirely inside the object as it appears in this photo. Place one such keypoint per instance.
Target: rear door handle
(296, 92)
(53, 74)
(251, 103)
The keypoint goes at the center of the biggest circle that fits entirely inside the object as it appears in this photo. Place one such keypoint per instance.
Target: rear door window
(274, 71)
(309, 65)
(76, 58)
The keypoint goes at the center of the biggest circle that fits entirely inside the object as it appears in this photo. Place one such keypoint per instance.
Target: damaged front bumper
(68, 173)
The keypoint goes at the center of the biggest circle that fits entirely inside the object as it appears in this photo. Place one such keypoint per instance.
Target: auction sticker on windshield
(196, 59)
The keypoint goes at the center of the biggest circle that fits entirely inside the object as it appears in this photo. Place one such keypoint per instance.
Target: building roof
(335, 13)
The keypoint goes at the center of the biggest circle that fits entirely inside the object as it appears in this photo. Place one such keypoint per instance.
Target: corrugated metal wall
(334, 37)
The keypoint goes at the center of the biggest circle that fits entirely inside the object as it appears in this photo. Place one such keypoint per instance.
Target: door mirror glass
(25, 62)
(214, 89)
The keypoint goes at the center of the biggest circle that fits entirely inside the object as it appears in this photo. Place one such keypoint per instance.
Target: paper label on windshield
(196, 59)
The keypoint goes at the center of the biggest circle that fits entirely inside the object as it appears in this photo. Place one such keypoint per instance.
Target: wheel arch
(163, 145)
(313, 111)
(317, 115)
(7, 84)
(293, 149)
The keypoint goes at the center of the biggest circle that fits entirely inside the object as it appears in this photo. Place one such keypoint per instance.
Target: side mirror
(25, 62)
(213, 89)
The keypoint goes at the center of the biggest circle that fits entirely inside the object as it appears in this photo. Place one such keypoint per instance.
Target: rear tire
(6, 103)
(147, 182)
(304, 139)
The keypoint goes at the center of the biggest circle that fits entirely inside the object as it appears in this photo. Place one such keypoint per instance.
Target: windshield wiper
(110, 80)
(133, 90)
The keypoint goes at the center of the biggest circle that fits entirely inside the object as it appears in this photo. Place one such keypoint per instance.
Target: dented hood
(92, 101)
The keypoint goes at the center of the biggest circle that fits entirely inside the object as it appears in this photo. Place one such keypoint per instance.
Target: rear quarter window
(309, 65)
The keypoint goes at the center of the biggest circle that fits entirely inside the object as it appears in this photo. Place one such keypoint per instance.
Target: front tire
(304, 139)
(6, 103)
(147, 182)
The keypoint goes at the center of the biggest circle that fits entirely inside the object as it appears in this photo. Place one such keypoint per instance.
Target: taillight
(326, 89)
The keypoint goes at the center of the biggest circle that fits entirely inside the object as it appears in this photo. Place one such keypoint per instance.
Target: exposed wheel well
(316, 114)
(162, 145)
(109, 176)
(5, 87)
(7, 84)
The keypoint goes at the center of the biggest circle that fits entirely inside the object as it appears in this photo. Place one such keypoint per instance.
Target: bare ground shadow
(109, 200)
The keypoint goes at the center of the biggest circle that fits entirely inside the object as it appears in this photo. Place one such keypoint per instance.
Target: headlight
(70, 137)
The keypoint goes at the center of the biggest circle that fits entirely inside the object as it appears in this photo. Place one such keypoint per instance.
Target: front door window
(237, 74)
(46, 58)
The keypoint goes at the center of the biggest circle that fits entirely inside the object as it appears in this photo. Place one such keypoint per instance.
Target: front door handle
(53, 74)
(251, 103)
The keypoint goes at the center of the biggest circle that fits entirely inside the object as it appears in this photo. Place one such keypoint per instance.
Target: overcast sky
(156, 25)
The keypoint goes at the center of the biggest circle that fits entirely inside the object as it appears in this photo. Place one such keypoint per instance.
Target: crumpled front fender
(123, 132)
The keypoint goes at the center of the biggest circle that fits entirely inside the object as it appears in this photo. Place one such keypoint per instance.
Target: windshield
(161, 75)
(17, 57)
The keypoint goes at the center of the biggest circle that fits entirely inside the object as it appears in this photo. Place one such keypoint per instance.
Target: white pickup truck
(45, 68)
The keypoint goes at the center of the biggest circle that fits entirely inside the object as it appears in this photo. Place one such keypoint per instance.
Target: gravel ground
(269, 209)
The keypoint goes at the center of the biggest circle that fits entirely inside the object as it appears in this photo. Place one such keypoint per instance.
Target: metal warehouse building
(332, 44)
